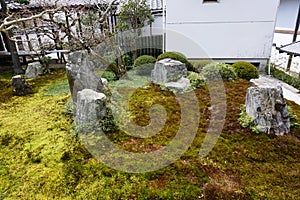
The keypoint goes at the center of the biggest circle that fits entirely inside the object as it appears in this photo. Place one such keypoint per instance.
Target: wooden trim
(286, 31)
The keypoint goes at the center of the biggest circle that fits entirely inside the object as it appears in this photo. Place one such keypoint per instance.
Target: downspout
(164, 26)
(269, 64)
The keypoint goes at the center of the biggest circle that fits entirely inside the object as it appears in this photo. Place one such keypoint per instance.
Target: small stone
(34, 70)
(168, 70)
(21, 87)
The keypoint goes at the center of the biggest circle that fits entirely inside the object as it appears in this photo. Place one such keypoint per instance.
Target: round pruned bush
(245, 70)
(144, 59)
(200, 64)
(177, 56)
(144, 64)
(217, 71)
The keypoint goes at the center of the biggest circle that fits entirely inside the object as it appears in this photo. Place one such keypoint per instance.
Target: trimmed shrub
(245, 70)
(196, 80)
(215, 71)
(144, 59)
(177, 56)
(200, 64)
(144, 64)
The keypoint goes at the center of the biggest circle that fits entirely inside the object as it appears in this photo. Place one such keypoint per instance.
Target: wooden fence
(143, 45)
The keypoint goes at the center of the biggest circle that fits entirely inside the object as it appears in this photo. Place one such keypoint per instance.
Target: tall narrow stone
(265, 103)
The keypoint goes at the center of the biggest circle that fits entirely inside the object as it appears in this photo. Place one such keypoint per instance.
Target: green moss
(40, 158)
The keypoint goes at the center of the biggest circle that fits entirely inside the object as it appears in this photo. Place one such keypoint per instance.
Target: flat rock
(179, 85)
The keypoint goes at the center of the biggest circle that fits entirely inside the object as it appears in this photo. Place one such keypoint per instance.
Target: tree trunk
(12, 48)
(10, 45)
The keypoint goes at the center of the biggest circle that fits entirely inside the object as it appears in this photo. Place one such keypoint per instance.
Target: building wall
(230, 29)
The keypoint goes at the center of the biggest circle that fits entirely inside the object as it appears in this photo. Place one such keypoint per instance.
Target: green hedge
(295, 82)
(245, 70)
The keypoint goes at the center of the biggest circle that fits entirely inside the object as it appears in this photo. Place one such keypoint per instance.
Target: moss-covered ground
(41, 157)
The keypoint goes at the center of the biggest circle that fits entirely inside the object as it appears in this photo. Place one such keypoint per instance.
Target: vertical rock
(81, 74)
(91, 106)
(265, 103)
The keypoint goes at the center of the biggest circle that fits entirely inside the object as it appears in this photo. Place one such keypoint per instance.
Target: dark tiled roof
(154, 4)
(292, 49)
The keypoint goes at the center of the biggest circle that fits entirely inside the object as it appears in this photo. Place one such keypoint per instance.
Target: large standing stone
(21, 87)
(265, 103)
(34, 70)
(91, 106)
(81, 74)
(167, 70)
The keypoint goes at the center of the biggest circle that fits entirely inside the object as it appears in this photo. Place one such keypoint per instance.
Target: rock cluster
(170, 73)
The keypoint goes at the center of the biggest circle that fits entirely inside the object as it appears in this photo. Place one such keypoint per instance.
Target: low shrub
(217, 71)
(200, 64)
(109, 75)
(245, 70)
(293, 81)
(70, 108)
(144, 64)
(177, 56)
(196, 80)
(144, 59)
(246, 120)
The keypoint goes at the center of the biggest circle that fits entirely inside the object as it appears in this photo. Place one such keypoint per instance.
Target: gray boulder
(168, 70)
(91, 106)
(34, 70)
(21, 87)
(265, 103)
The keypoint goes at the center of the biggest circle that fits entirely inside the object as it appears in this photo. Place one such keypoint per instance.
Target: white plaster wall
(224, 11)
(228, 29)
(221, 40)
